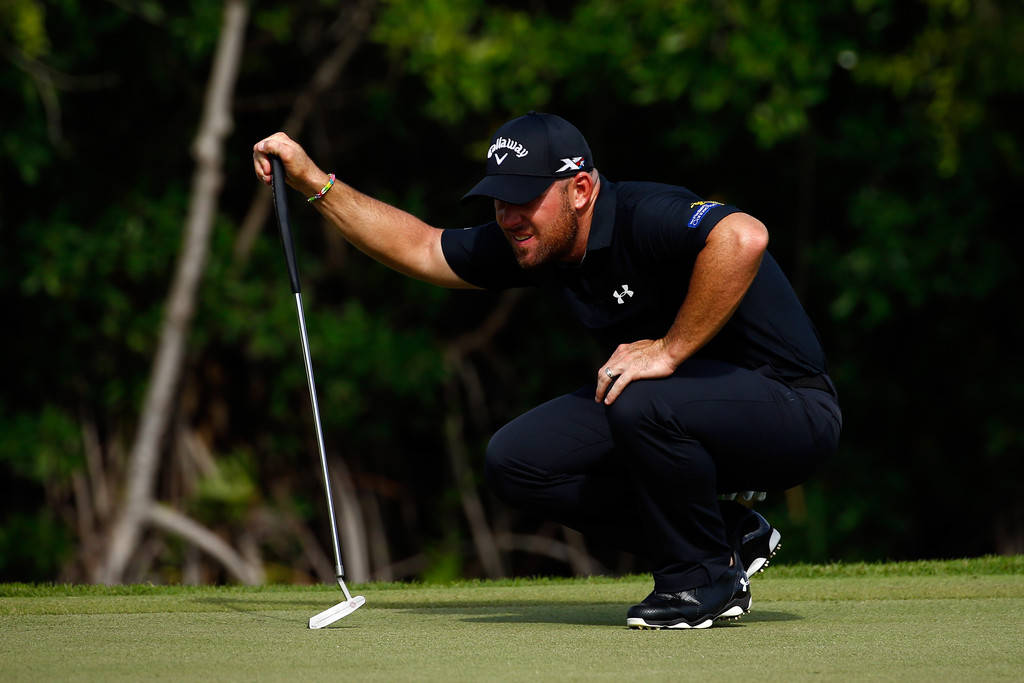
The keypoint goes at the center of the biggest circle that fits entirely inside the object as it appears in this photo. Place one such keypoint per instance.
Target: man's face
(542, 231)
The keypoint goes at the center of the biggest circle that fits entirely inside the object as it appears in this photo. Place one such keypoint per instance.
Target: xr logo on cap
(574, 164)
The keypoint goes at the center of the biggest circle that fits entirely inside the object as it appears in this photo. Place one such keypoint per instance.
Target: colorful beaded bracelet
(323, 191)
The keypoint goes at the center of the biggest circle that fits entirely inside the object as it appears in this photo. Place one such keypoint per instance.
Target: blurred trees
(879, 141)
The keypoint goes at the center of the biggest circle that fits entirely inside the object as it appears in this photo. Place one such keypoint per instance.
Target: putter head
(342, 609)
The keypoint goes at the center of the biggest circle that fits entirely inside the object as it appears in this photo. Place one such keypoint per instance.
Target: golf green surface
(943, 620)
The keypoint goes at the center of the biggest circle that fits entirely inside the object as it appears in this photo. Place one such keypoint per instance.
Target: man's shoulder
(634, 192)
(664, 221)
(643, 205)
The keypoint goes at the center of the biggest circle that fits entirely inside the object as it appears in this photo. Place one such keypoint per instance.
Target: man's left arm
(722, 273)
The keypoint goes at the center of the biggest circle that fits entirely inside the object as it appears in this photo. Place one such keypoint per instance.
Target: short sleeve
(674, 225)
(481, 256)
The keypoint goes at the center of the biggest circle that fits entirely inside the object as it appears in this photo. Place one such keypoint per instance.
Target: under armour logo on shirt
(621, 296)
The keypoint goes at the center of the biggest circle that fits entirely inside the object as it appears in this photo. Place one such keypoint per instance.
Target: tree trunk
(167, 366)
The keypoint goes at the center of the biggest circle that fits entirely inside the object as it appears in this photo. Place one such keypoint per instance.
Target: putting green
(921, 621)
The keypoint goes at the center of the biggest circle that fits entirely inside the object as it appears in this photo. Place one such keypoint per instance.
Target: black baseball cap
(529, 153)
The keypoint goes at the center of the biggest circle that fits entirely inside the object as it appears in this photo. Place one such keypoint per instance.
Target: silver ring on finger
(608, 371)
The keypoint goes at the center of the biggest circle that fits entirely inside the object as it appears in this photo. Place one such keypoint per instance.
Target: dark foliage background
(880, 142)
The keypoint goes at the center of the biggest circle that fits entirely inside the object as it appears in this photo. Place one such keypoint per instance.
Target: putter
(351, 604)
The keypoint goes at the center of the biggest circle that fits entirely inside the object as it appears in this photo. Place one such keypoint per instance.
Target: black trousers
(644, 473)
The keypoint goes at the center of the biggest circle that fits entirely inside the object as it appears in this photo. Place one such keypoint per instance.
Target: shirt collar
(603, 220)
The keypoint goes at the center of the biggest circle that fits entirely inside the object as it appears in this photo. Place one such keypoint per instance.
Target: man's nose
(507, 215)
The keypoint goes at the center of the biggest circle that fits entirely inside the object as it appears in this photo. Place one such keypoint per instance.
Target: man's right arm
(394, 237)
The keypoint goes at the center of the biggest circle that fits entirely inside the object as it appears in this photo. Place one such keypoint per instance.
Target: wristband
(323, 191)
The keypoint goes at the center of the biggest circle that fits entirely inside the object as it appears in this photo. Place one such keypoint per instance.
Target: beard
(558, 239)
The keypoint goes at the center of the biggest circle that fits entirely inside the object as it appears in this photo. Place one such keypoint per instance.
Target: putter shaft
(339, 570)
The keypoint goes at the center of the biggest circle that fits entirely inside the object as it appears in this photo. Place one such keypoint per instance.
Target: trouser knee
(639, 416)
(631, 409)
(656, 440)
(498, 470)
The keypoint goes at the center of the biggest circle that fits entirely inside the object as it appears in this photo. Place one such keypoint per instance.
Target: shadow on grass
(581, 615)
(263, 610)
(472, 611)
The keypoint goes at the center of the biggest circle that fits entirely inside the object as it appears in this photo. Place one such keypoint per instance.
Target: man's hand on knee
(644, 359)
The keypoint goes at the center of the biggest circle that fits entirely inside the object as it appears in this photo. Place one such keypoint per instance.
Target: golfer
(715, 379)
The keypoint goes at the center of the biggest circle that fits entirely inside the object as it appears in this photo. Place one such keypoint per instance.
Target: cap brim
(513, 189)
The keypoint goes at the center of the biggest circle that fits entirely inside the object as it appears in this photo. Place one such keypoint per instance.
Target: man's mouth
(521, 238)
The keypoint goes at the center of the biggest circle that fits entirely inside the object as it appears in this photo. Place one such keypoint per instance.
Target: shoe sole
(759, 564)
(731, 613)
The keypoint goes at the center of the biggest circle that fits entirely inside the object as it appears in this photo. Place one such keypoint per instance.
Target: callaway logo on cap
(527, 154)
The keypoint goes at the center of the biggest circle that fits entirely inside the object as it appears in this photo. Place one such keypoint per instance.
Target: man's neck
(585, 218)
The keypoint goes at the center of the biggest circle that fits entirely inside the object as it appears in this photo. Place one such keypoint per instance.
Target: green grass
(961, 619)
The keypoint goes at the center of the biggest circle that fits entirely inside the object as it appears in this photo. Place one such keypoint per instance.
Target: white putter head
(339, 611)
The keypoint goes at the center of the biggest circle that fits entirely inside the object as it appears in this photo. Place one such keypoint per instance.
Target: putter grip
(281, 209)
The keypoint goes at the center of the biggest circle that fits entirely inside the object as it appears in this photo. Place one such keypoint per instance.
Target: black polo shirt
(644, 240)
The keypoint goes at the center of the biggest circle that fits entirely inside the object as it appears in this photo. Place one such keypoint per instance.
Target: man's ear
(583, 190)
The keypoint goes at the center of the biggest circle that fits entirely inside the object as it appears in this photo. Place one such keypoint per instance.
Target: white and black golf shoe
(758, 544)
(726, 598)
(751, 536)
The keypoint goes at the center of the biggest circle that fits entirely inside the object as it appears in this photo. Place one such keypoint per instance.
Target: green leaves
(25, 26)
(491, 59)
(881, 141)
(227, 493)
(42, 446)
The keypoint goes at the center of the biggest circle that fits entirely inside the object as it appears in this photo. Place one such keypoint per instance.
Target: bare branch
(410, 566)
(549, 547)
(143, 558)
(350, 29)
(174, 522)
(167, 366)
(455, 357)
(350, 523)
(48, 81)
(582, 563)
(378, 541)
(483, 538)
(311, 549)
(85, 521)
(479, 338)
(94, 466)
